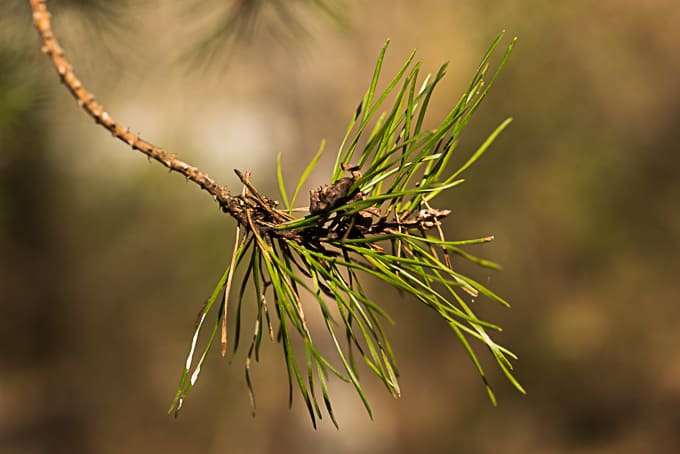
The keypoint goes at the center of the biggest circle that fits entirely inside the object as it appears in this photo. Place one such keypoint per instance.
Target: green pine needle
(375, 219)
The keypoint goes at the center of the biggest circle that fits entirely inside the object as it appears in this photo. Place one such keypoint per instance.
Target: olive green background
(105, 259)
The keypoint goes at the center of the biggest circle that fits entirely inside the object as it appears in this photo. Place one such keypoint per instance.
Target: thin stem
(51, 47)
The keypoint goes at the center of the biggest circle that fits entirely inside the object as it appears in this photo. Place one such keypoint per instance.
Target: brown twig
(237, 206)
(51, 47)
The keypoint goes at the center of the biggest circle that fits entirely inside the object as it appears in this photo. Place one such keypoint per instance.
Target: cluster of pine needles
(375, 217)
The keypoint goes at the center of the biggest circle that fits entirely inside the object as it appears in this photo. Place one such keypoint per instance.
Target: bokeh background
(105, 259)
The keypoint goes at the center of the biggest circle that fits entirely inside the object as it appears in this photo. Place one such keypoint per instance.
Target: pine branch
(379, 198)
(375, 218)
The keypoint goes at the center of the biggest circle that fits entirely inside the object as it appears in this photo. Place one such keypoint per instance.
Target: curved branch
(51, 47)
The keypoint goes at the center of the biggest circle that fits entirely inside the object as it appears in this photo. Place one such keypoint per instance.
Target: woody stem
(51, 47)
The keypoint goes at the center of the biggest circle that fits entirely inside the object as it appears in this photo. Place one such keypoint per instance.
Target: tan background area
(105, 259)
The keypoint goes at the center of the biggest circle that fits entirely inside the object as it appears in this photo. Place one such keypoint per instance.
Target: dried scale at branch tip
(374, 218)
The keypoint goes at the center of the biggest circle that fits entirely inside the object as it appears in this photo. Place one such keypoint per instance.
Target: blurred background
(105, 259)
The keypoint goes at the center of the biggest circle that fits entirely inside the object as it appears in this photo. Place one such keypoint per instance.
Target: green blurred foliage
(106, 259)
